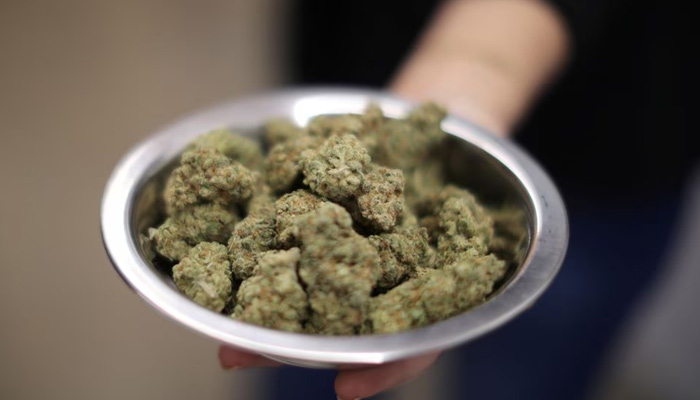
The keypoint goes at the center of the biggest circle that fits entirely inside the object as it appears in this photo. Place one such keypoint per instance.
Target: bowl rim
(546, 254)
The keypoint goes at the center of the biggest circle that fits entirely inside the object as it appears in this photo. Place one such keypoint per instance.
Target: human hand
(486, 60)
(349, 384)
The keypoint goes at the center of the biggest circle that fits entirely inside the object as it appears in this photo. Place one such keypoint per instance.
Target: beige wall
(80, 83)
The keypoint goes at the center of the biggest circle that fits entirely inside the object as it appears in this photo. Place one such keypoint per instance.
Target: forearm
(486, 60)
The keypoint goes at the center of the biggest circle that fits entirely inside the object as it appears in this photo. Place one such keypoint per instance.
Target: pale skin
(485, 60)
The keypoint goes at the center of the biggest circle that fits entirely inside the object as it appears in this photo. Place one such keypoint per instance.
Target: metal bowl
(496, 169)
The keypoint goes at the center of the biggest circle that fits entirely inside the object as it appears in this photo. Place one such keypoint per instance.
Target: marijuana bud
(348, 228)
(381, 201)
(236, 147)
(188, 227)
(204, 275)
(251, 237)
(282, 165)
(339, 268)
(401, 252)
(280, 131)
(336, 169)
(206, 175)
(288, 208)
(273, 297)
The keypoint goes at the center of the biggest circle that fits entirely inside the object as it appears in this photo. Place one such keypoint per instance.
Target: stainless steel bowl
(497, 170)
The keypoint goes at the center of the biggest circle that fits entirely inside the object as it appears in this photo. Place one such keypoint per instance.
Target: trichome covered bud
(188, 227)
(336, 169)
(381, 201)
(206, 175)
(401, 252)
(262, 202)
(339, 268)
(349, 227)
(236, 147)
(273, 296)
(204, 275)
(433, 295)
(282, 165)
(281, 131)
(251, 237)
(288, 208)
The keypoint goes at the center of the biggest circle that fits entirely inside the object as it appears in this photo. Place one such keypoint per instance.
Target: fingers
(362, 383)
(233, 359)
(352, 384)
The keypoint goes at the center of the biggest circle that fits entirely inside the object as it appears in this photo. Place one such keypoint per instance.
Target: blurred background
(82, 81)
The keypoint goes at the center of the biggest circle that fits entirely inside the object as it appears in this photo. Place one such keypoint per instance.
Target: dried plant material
(204, 275)
(454, 211)
(381, 201)
(193, 225)
(206, 175)
(336, 169)
(288, 208)
(401, 252)
(251, 237)
(262, 202)
(339, 268)
(433, 295)
(236, 147)
(350, 226)
(282, 165)
(273, 297)
(406, 143)
(280, 131)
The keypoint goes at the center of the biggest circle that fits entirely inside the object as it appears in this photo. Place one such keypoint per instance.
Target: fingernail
(231, 368)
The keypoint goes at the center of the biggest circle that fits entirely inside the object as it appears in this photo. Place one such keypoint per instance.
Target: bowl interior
(466, 165)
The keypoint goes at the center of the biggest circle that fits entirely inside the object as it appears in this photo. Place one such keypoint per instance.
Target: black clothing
(618, 122)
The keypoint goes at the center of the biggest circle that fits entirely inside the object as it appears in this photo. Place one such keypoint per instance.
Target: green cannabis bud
(462, 215)
(238, 148)
(251, 237)
(348, 226)
(423, 181)
(204, 275)
(339, 268)
(288, 208)
(454, 211)
(465, 227)
(417, 302)
(280, 131)
(401, 252)
(273, 296)
(433, 295)
(381, 201)
(510, 233)
(282, 165)
(337, 168)
(428, 119)
(206, 175)
(366, 127)
(262, 202)
(193, 225)
(406, 143)
(475, 277)
(325, 126)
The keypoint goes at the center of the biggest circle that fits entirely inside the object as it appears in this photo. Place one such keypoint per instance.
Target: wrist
(486, 60)
(468, 88)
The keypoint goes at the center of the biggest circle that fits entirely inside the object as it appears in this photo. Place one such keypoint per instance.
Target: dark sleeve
(587, 20)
